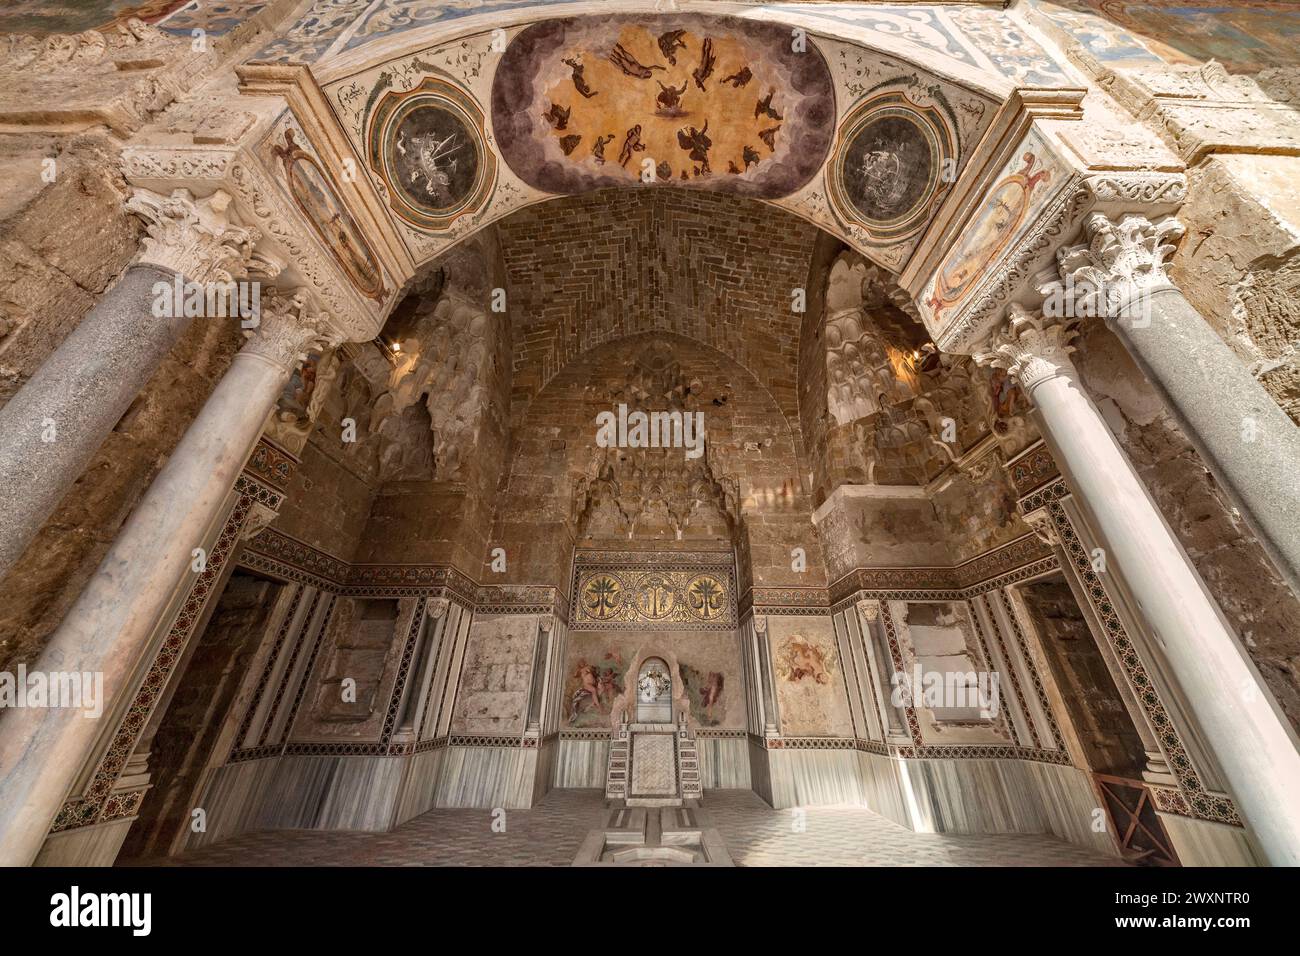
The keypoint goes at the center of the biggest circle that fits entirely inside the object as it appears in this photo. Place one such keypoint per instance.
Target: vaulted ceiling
(722, 270)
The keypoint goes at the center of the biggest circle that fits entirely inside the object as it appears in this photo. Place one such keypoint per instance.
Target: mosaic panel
(652, 591)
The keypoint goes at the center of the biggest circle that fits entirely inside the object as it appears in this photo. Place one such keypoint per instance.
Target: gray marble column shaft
(108, 630)
(1245, 439)
(52, 428)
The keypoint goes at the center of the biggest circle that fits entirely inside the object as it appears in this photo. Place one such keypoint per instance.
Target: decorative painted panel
(657, 591)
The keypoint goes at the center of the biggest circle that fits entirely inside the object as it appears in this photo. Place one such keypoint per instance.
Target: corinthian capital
(286, 332)
(1121, 262)
(1032, 346)
(194, 237)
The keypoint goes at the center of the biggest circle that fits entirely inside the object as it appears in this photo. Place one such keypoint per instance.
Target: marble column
(109, 628)
(1245, 439)
(1251, 738)
(771, 725)
(52, 428)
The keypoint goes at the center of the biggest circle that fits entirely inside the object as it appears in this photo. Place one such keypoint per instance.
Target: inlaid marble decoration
(894, 160)
(427, 145)
(314, 194)
(586, 103)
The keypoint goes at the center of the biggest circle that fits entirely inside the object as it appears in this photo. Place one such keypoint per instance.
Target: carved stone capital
(1031, 346)
(1040, 522)
(437, 608)
(193, 237)
(259, 518)
(285, 332)
(870, 610)
(1122, 261)
(760, 624)
(546, 623)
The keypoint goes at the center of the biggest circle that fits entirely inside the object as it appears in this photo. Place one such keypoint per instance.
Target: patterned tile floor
(551, 833)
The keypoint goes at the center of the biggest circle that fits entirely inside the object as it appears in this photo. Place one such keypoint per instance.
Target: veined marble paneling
(581, 764)
(812, 777)
(886, 794)
(724, 763)
(85, 846)
(420, 785)
(1204, 843)
(939, 796)
(232, 799)
(331, 793)
(487, 777)
(990, 796)
(544, 770)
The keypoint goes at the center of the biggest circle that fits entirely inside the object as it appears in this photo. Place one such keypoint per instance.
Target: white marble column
(109, 627)
(1242, 435)
(52, 428)
(1252, 739)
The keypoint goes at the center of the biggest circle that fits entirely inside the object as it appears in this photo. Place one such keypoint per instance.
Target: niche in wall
(349, 689)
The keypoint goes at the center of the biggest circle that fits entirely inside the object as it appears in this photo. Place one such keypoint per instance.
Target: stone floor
(552, 833)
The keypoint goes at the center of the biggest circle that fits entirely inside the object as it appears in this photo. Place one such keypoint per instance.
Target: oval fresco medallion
(427, 146)
(997, 220)
(888, 173)
(694, 100)
(314, 193)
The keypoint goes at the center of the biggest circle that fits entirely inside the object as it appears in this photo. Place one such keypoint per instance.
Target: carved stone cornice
(151, 164)
(1205, 109)
(1121, 261)
(1033, 347)
(193, 237)
(286, 331)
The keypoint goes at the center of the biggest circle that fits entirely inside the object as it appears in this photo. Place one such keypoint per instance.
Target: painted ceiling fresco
(589, 103)
(177, 17)
(1025, 185)
(941, 35)
(1243, 35)
(45, 17)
